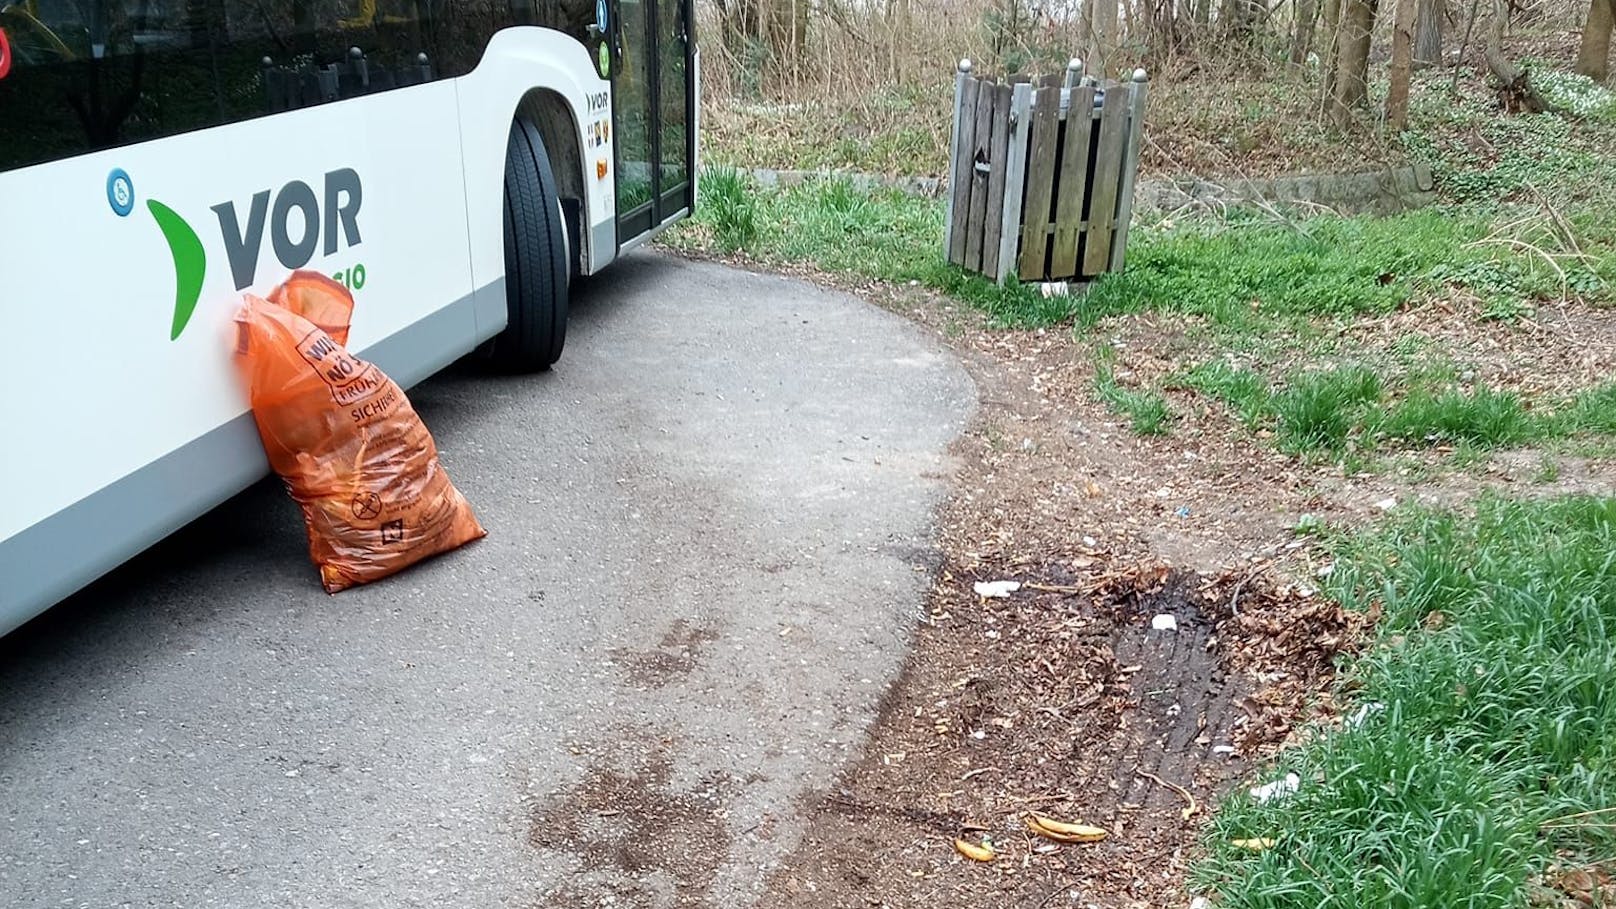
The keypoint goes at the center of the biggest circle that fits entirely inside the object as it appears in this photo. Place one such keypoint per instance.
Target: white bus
(455, 162)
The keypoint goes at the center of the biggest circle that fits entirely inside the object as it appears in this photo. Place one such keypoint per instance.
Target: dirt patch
(1073, 697)
(674, 657)
(640, 843)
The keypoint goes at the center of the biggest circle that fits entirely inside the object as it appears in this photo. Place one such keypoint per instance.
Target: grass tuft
(730, 207)
(1319, 410)
(1243, 391)
(1592, 411)
(1485, 418)
(1147, 410)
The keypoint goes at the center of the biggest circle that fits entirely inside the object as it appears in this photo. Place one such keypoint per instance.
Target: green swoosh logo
(190, 262)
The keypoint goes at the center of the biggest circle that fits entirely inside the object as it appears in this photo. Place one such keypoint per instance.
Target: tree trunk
(1428, 34)
(1401, 66)
(1329, 58)
(1352, 66)
(786, 32)
(1302, 40)
(1515, 91)
(1100, 19)
(1229, 14)
(1593, 57)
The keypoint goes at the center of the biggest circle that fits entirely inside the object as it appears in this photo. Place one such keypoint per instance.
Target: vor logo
(294, 209)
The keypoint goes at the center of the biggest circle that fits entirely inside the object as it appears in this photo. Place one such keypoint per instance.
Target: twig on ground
(1234, 600)
(1190, 809)
(1052, 894)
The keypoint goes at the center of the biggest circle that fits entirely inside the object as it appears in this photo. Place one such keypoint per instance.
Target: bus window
(95, 74)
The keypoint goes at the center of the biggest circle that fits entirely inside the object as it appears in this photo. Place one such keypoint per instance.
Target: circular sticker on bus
(120, 192)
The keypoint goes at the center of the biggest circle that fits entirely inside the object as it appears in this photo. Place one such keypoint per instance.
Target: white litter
(1364, 713)
(1164, 622)
(1200, 902)
(1387, 504)
(1277, 788)
(1223, 749)
(998, 589)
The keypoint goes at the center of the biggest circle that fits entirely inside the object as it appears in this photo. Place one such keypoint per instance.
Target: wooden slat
(1136, 127)
(1071, 184)
(1052, 80)
(960, 172)
(1107, 170)
(960, 76)
(1015, 178)
(997, 150)
(982, 143)
(1040, 184)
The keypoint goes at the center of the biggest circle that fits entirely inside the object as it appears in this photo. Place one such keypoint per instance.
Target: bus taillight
(5, 54)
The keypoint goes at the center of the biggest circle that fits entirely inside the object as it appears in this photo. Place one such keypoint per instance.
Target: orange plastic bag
(319, 299)
(344, 438)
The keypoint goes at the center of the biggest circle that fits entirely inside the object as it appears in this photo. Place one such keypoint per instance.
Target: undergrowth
(1484, 743)
(833, 226)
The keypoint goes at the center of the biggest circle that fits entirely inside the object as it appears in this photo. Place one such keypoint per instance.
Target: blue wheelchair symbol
(120, 192)
(600, 15)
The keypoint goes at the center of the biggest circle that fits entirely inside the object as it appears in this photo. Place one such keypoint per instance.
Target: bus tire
(536, 267)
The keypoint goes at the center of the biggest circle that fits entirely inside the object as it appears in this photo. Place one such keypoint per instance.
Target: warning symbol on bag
(393, 531)
(367, 506)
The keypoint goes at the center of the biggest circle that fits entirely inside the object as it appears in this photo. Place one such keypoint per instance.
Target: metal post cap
(1139, 74)
(1075, 65)
(965, 65)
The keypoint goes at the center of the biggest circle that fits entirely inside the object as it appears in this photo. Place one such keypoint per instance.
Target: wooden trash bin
(1041, 175)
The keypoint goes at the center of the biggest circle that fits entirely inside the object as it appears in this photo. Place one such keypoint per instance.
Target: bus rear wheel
(536, 253)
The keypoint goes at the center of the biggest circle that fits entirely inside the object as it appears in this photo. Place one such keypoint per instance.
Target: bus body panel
(104, 395)
(519, 60)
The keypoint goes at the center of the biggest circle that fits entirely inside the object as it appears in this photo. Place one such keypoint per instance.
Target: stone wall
(1384, 191)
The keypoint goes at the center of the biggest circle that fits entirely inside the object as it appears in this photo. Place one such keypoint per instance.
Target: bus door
(653, 105)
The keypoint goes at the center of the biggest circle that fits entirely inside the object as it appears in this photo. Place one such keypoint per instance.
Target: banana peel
(1061, 831)
(976, 852)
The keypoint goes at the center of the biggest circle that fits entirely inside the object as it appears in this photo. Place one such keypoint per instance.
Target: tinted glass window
(93, 74)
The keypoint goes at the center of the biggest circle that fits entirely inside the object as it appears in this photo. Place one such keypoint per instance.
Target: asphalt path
(709, 542)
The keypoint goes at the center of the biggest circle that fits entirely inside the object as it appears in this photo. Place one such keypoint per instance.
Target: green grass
(1145, 409)
(1493, 665)
(834, 226)
(1247, 277)
(730, 208)
(1319, 410)
(1591, 412)
(1350, 410)
(1243, 391)
(1250, 273)
(1483, 418)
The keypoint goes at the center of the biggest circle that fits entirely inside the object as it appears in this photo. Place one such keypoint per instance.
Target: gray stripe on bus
(60, 555)
(602, 244)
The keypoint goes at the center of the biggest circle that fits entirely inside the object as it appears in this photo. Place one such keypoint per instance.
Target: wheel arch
(550, 78)
(559, 128)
